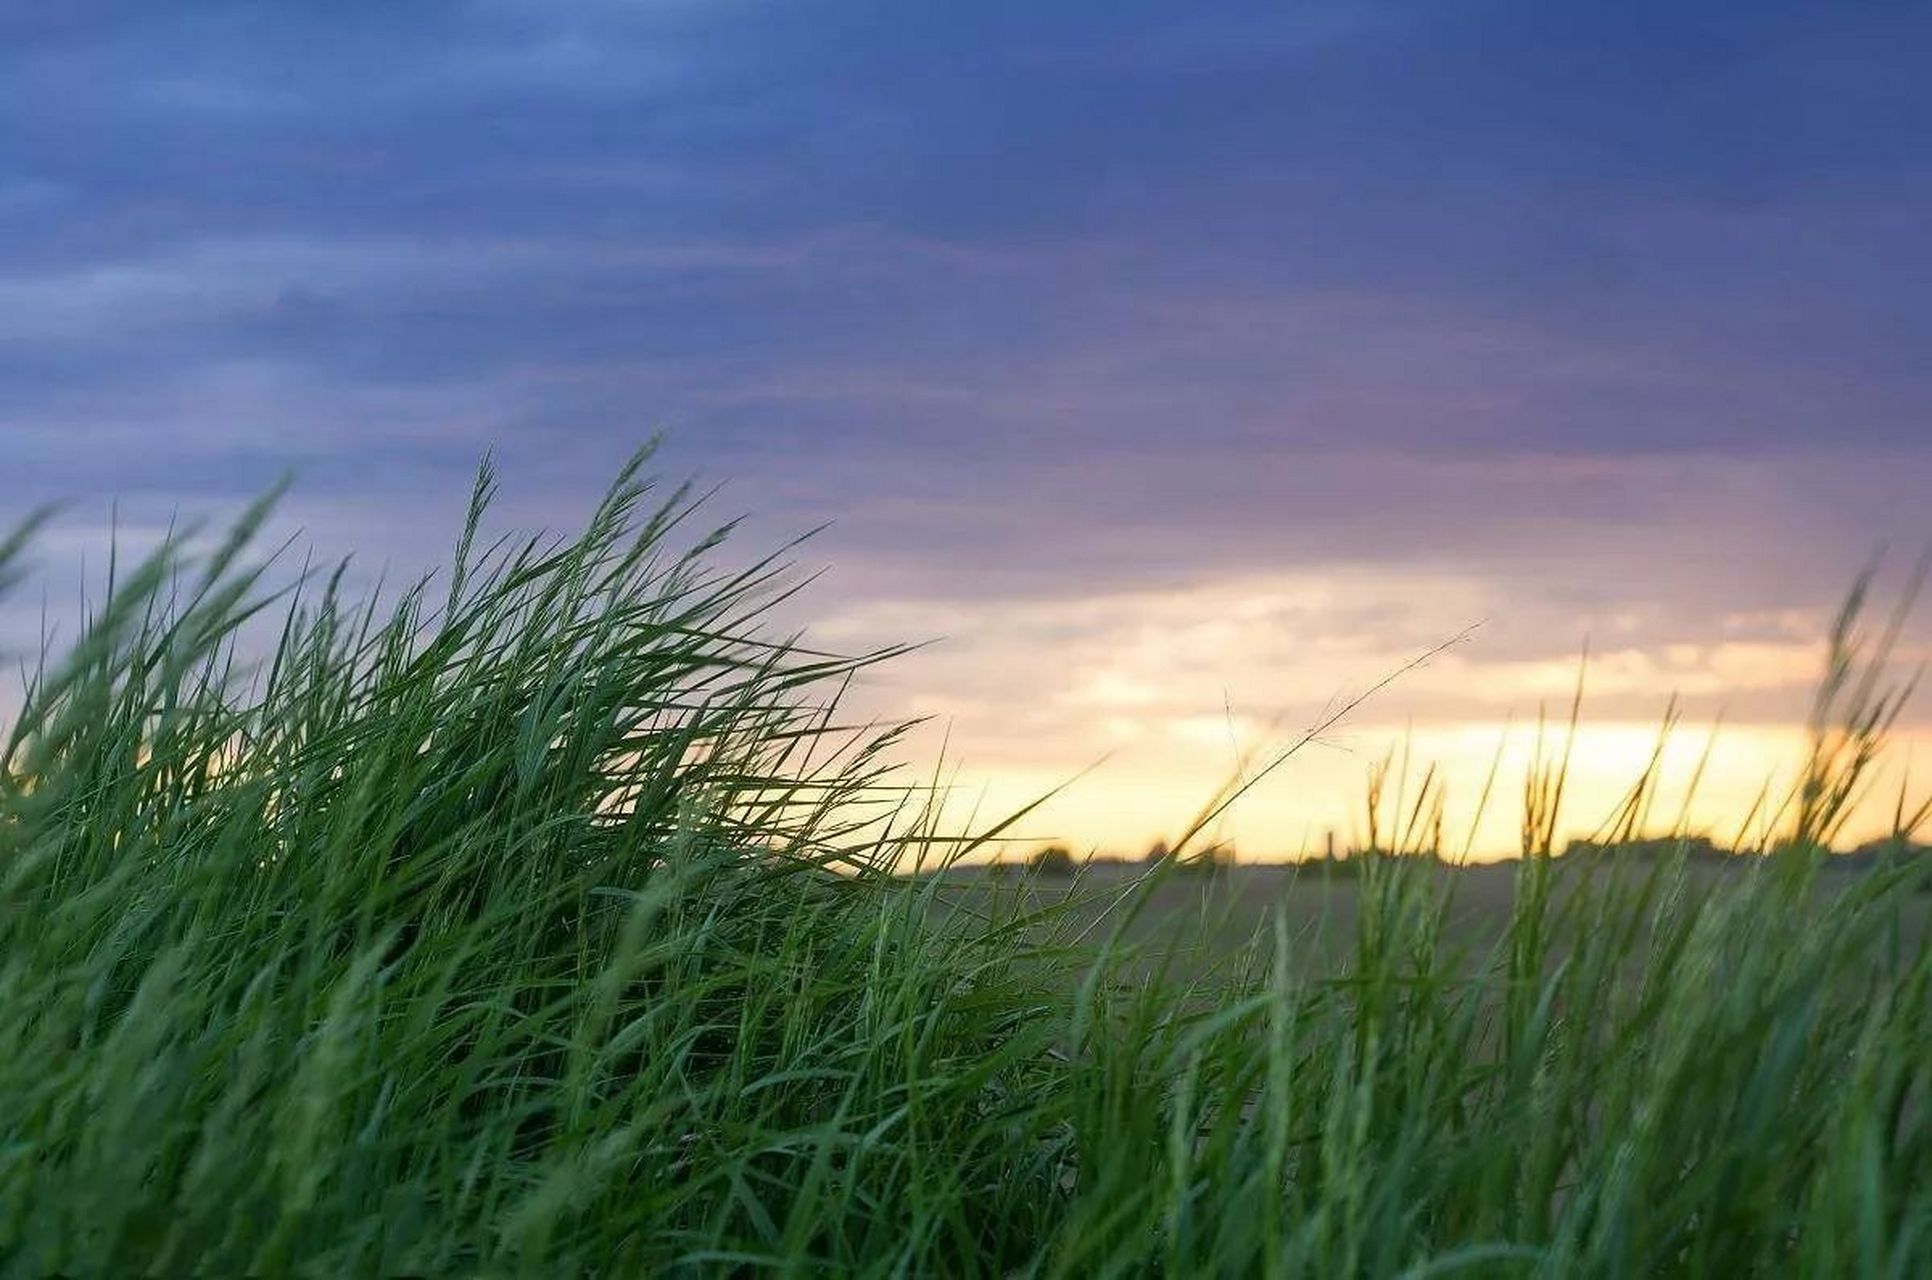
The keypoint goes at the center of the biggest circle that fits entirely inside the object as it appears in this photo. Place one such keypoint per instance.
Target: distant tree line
(1059, 860)
(1704, 849)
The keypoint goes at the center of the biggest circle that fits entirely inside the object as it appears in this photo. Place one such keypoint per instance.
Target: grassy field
(1196, 924)
(547, 920)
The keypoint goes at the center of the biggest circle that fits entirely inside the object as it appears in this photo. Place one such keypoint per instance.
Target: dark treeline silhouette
(1704, 849)
(1059, 860)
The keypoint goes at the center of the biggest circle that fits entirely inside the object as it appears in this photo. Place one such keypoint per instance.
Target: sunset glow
(1180, 372)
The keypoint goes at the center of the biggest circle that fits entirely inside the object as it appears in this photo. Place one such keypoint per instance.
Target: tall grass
(544, 921)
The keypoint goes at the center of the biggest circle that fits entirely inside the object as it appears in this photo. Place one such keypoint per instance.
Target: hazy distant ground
(1204, 917)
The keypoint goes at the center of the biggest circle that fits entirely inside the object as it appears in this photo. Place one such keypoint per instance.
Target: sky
(1180, 369)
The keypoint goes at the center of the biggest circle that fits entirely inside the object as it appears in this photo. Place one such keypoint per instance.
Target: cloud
(1151, 351)
(1261, 227)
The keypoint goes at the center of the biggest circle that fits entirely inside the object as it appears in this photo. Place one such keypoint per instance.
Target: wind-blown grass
(545, 921)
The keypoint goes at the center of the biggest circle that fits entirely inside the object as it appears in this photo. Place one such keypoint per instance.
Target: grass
(545, 921)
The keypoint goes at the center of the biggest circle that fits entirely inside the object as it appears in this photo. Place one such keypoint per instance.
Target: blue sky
(1598, 319)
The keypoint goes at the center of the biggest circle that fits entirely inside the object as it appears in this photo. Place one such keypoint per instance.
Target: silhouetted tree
(1212, 860)
(1054, 860)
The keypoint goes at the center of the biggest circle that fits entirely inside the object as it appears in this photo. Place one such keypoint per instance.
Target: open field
(545, 921)
(1201, 920)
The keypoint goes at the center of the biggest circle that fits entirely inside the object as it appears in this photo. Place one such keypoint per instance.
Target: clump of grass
(496, 930)
(545, 921)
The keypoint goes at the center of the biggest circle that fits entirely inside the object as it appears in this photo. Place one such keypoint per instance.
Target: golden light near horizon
(1125, 804)
(1170, 695)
